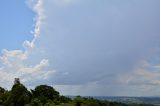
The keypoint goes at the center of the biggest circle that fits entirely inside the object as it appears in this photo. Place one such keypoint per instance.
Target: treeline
(44, 95)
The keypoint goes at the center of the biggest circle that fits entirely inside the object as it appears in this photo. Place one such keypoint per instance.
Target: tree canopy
(44, 95)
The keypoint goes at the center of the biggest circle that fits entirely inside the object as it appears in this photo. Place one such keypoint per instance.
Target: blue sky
(16, 21)
(83, 47)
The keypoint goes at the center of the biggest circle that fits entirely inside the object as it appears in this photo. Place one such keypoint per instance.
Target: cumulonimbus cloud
(101, 44)
(105, 47)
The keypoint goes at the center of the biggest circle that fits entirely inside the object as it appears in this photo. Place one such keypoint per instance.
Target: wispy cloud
(37, 7)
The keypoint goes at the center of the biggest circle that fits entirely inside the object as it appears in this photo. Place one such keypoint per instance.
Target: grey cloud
(98, 40)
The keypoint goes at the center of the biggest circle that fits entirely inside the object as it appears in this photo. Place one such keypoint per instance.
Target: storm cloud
(108, 43)
(105, 47)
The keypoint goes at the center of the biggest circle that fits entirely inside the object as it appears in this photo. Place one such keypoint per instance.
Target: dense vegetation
(44, 95)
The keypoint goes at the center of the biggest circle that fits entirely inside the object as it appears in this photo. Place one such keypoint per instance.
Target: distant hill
(125, 99)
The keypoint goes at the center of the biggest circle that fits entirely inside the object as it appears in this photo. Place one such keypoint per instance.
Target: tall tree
(18, 96)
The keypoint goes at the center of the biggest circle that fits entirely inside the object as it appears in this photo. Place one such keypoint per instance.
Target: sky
(82, 47)
(16, 22)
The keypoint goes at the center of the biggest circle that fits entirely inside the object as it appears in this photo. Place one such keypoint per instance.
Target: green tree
(45, 93)
(78, 101)
(3, 95)
(36, 102)
(64, 99)
(18, 96)
(2, 90)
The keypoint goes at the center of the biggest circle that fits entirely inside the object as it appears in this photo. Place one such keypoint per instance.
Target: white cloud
(15, 63)
(14, 66)
(37, 7)
(13, 57)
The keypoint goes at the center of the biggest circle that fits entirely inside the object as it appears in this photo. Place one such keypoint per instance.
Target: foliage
(18, 96)
(2, 90)
(36, 102)
(44, 95)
